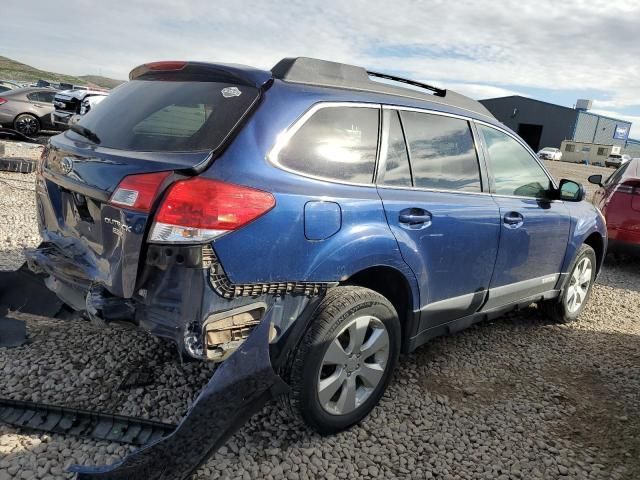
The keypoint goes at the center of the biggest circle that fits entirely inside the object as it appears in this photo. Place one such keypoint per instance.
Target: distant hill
(12, 70)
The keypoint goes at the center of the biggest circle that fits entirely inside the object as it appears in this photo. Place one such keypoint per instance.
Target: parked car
(9, 85)
(615, 160)
(618, 198)
(71, 105)
(549, 153)
(27, 110)
(359, 218)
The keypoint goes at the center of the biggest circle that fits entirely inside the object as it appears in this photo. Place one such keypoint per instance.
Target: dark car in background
(27, 110)
(618, 198)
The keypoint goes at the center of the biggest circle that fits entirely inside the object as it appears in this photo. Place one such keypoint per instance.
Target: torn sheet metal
(26, 292)
(238, 388)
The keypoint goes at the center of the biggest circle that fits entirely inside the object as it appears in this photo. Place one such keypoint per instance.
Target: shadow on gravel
(582, 385)
(621, 271)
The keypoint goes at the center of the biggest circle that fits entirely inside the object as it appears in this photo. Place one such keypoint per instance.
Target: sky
(549, 50)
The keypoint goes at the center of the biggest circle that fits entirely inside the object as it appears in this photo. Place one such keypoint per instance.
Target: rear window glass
(155, 115)
(442, 152)
(338, 143)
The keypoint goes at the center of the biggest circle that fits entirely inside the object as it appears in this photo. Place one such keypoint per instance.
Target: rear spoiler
(202, 72)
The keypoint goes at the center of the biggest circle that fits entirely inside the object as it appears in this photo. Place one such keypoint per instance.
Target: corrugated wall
(593, 128)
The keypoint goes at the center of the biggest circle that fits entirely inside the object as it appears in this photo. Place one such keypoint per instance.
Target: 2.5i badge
(229, 92)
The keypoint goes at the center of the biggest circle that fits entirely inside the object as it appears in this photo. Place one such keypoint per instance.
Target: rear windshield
(154, 115)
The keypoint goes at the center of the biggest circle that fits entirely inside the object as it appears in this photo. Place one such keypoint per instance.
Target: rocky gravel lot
(514, 398)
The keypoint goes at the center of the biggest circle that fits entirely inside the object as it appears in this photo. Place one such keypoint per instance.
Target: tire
(344, 310)
(26, 124)
(564, 308)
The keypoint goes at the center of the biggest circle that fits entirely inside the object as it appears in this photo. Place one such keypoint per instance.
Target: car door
(534, 227)
(446, 224)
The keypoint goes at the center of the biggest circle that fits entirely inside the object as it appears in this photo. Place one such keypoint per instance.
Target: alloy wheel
(353, 365)
(579, 284)
(27, 125)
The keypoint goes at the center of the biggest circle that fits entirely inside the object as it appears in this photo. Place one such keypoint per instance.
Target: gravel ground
(514, 398)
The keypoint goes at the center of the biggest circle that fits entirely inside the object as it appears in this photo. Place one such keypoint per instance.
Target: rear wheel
(345, 360)
(26, 124)
(577, 291)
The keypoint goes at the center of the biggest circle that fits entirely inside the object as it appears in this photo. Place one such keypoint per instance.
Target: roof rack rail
(312, 71)
(441, 92)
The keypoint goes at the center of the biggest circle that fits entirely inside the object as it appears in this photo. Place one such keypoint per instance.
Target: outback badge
(229, 92)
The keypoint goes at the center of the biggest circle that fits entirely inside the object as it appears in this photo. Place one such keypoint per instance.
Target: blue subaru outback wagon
(357, 213)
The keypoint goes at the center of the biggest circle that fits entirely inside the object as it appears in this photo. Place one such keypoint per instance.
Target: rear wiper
(85, 132)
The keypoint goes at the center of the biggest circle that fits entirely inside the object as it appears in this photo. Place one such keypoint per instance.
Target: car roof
(323, 73)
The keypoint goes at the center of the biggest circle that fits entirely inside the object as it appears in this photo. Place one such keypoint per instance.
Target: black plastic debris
(17, 165)
(83, 423)
(11, 134)
(24, 291)
(140, 376)
(13, 332)
(238, 389)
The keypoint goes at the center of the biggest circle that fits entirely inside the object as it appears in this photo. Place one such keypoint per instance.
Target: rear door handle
(414, 218)
(513, 219)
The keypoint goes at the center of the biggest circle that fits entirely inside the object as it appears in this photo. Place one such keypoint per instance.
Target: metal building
(543, 124)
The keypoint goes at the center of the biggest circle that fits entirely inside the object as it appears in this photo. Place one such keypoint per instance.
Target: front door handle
(414, 218)
(513, 219)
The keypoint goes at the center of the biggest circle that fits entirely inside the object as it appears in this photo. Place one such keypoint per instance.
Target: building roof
(529, 99)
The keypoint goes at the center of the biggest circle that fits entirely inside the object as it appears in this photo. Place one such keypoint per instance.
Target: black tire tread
(336, 300)
(554, 309)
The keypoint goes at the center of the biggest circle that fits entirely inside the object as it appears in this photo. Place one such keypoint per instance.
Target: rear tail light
(137, 192)
(199, 209)
(632, 188)
(3, 100)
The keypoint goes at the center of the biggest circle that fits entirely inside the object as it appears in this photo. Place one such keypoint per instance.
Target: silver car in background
(27, 110)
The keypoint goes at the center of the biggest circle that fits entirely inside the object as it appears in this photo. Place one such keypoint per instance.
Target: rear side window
(442, 152)
(168, 115)
(337, 143)
(515, 170)
(397, 171)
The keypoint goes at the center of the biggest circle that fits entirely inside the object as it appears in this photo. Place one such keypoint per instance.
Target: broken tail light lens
(199, 210)
(137, 192)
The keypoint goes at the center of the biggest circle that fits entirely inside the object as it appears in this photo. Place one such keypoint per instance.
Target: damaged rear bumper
(182, 294)
(238, 388)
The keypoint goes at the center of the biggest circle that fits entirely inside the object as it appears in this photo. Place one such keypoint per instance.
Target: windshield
(155, 115)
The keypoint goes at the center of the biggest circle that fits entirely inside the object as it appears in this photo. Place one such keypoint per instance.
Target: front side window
(441, 152)
(337, 143)
(569, 147)
(515, 170)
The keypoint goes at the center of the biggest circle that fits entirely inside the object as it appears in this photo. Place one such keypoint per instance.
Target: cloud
(483, 48)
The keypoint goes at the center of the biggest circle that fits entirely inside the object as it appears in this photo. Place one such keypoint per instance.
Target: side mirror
(571, 191)
(595, 179)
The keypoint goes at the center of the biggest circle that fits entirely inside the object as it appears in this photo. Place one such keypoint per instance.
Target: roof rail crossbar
(440, 92)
